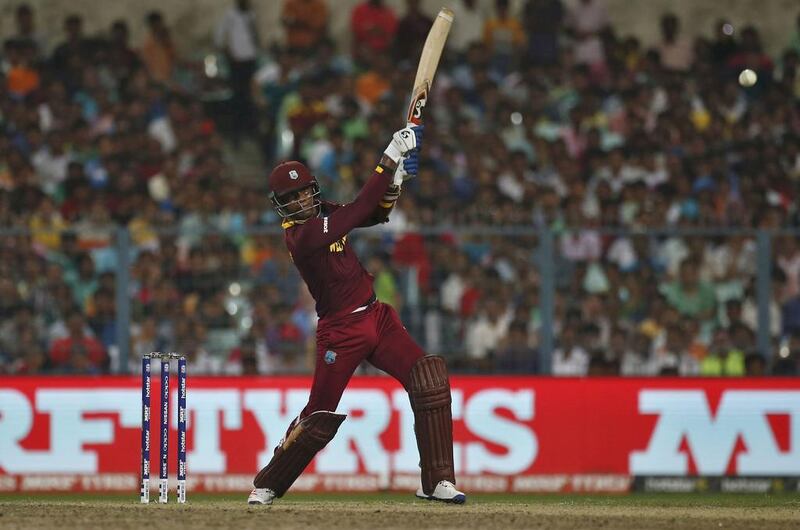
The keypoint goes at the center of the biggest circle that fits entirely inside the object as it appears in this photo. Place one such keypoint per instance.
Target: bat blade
(428, 63)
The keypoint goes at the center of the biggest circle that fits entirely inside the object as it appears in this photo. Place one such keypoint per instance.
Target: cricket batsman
(353, 326)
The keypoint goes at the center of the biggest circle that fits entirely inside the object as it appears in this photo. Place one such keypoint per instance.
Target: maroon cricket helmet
(287, 178)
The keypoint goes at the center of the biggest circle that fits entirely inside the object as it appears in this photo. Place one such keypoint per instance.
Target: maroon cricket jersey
(326, 261)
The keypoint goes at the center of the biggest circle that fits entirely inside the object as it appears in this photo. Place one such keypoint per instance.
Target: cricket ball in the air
(747, 78)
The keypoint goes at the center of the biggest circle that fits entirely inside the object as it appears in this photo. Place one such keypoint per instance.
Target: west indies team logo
(330, 357)
(293, 175)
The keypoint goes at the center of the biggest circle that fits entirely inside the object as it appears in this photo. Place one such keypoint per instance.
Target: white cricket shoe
(261, 496)
(444, 491)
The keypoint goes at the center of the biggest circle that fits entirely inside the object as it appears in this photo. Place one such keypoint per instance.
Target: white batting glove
(407, 167)
(403, 141)
(400, 173)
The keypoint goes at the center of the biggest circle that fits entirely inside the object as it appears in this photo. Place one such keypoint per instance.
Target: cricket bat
(428, 62)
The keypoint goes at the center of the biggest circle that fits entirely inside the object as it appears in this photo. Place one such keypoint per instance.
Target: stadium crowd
(546, 119)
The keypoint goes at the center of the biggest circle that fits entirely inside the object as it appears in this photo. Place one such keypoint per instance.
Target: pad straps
(307, 438)
(433, 424)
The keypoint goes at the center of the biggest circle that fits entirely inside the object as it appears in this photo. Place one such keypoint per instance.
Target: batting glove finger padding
(418, 130)
(407, 168)
(411, 164)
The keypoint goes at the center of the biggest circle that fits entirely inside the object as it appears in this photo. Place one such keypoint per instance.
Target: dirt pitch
(391, 511)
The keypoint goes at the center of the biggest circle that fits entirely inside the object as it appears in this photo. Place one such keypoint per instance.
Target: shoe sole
(458, 499)
(256, 503)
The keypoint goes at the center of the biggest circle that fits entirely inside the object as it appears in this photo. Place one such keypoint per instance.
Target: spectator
(374, 27)
(78, 352)
(385, 284)
(486, 333)
(543, 21)
(158, 51)
(50, 161)
(690, 295)
(276, 83)
(190, 338)
(21, 330)
(469, 28)
(71, 55)
(788, 259)
(675, 50)
(103, 317)
(599, 365)
(123, 60)
(755, 365)
(245, 358)
(514, 353)
(724, 45)
(373, 84)
(305, 23)
(636, 359)
(673, 357)
(587, 20)
(147, 336)
(237, 36)
(751, 55)
(569, 358)
(305, 111)
(25, 25)
(723, 358)
(82, 281)
(46, 225)
(503, 36)
(750, 304)
(733, 314)
(412, 30)
(21, 78)
(790, 316)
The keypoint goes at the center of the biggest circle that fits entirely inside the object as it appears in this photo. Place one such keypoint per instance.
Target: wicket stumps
(182, 430)
(163, 454)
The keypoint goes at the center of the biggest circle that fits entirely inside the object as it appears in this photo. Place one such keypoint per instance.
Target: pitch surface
(392, 511)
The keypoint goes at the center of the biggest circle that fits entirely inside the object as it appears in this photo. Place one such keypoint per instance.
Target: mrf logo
(712, 438)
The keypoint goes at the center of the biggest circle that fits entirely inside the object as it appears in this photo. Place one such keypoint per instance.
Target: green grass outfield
(403, 511)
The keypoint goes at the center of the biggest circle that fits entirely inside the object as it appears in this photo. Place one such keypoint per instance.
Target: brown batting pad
(433, 423)
(308, 437)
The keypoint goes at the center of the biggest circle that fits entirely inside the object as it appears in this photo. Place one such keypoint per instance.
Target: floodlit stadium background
(602, 242)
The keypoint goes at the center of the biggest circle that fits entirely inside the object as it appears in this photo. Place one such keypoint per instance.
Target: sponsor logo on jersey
(330, 357)
(324, 225)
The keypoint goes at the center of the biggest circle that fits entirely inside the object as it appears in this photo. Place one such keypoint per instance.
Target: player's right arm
(321, 232)
(406, 169)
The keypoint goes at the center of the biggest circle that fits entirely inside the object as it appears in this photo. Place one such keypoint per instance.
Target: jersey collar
(288, 224)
